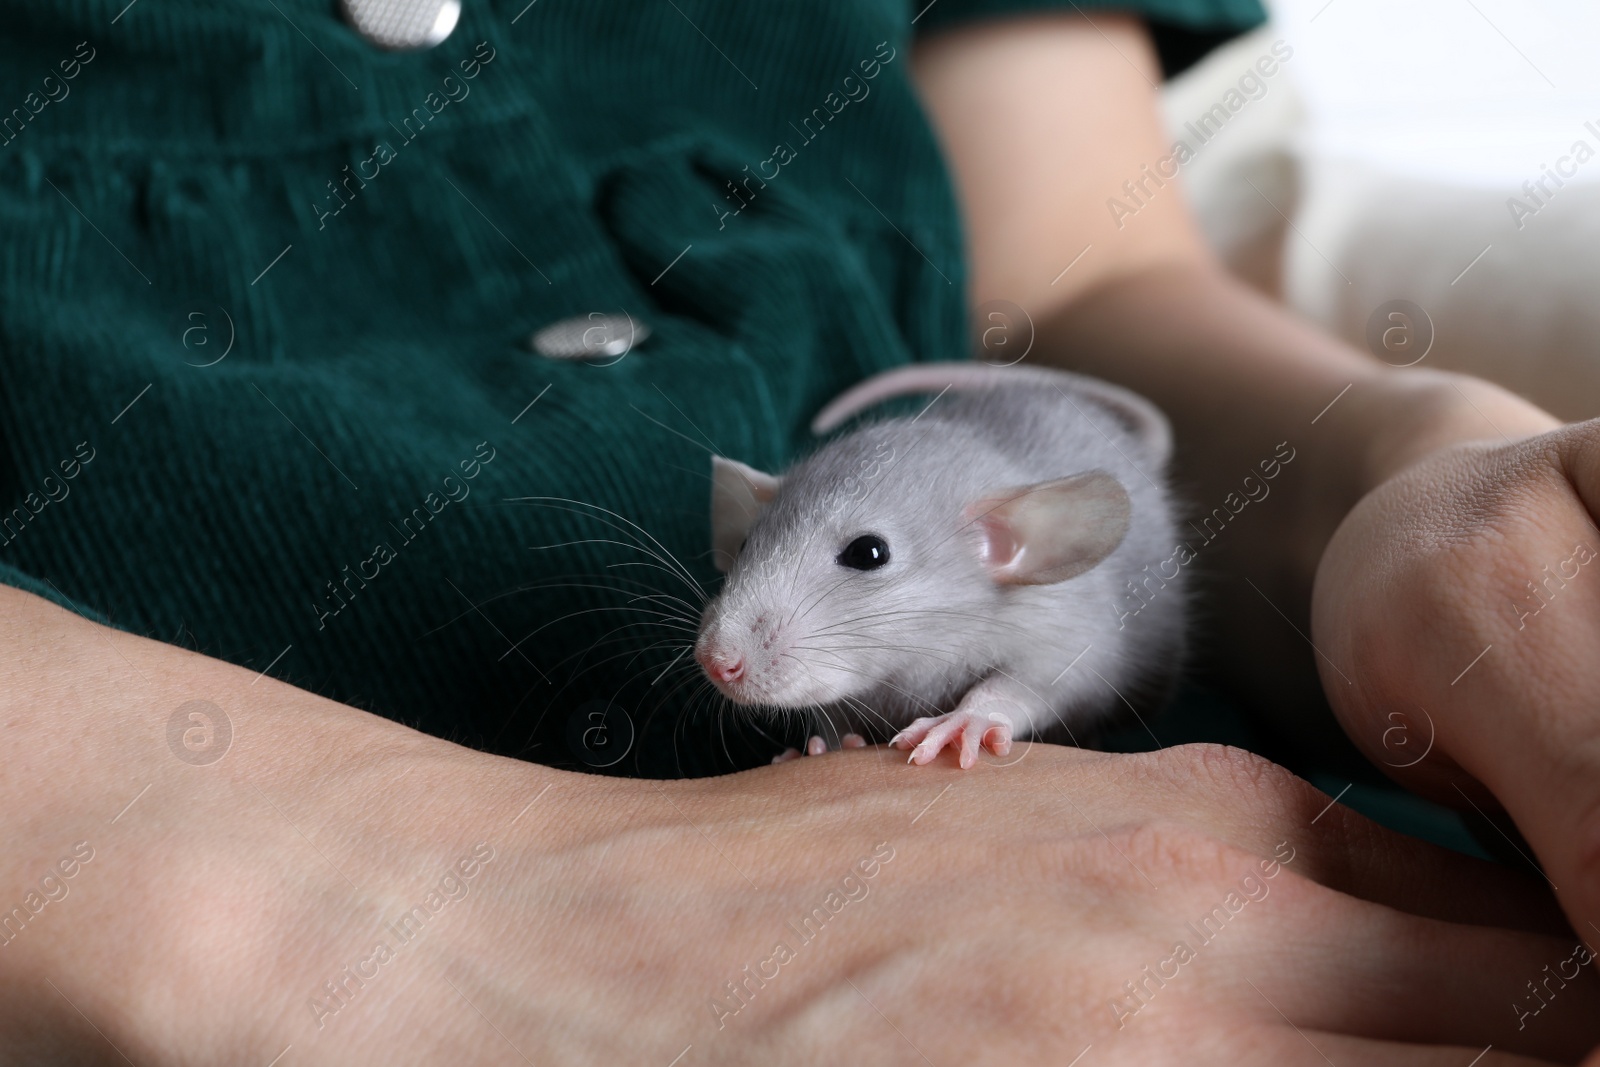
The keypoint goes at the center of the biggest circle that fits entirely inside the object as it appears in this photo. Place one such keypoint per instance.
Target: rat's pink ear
(738, 493)
(1046, 533)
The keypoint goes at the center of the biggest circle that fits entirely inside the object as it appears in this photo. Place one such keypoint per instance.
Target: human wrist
(1387, 420)
(1413, 412)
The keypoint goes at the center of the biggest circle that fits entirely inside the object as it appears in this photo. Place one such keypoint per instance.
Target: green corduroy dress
(266, 293)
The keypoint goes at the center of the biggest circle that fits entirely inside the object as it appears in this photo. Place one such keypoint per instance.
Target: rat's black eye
(866, 553)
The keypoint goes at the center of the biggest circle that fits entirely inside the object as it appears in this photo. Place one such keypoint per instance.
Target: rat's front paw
(817, 746)
(966, 728)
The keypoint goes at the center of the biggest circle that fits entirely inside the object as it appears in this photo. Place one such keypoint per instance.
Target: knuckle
(1181, 869)
(1234, 772)
(1167, 851)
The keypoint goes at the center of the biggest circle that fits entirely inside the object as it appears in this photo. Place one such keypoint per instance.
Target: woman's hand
(1458, 608)
(331, 888)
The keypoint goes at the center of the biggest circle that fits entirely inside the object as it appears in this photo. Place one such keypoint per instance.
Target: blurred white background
(1379, 165)
(1477, 91)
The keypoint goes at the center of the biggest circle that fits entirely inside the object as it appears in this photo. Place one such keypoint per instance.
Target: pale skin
(1021, 902)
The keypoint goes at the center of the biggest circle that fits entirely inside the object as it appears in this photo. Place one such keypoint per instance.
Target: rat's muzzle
(720, 664)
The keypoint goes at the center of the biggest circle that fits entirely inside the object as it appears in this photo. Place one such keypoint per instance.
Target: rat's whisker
(682, 572)
(922, 613)
(606, 640)
(559, 582)
(671, 620)
(871, 714)
(690, 616)
(631, 545)
(702, 698)
(912, 697)
(817, 599)
(936, 654)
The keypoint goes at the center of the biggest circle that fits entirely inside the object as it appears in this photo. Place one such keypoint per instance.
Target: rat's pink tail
(1140, 416)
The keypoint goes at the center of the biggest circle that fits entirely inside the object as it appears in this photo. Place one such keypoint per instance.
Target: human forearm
(214, 859)
(1142, 302)
(1238, 375)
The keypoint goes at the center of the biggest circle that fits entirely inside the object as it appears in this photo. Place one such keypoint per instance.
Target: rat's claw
(965, 730)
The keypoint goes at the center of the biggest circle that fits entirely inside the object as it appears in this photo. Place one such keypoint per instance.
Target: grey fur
(884, 647)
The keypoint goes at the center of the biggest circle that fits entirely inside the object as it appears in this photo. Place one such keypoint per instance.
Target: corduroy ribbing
(371, 238)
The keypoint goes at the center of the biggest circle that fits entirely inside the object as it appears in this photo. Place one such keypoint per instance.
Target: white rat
(942, 573)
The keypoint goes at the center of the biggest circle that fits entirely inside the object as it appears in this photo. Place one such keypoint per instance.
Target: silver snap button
(596, 337)
(399, 25)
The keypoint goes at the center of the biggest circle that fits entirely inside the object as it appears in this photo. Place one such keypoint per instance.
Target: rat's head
(849, 573)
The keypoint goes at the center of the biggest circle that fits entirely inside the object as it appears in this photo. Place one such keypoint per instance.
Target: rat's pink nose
(722, 667)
